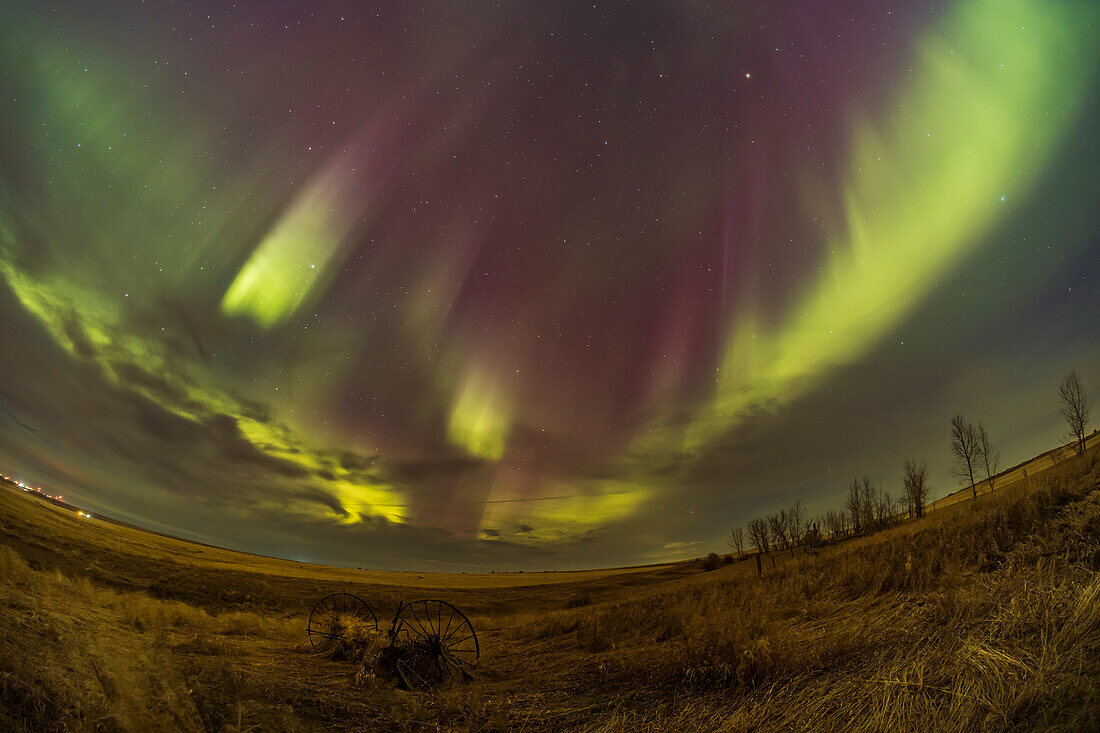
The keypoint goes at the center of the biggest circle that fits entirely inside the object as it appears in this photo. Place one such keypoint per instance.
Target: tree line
(868, 508)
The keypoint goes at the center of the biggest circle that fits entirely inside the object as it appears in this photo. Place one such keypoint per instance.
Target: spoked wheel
(443, 643)
(334, 616)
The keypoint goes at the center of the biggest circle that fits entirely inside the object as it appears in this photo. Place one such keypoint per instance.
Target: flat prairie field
(983, 615)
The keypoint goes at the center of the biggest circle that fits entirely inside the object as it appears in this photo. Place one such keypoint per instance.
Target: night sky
(535, 284)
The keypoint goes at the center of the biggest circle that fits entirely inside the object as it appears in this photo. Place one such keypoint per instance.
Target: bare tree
(885, 510)
(779, 524)
(835, 523)
(854, 507)
(797, 521)
(867, 503)
(916, 487)
(989, 455)
(758, 535)
(736, 540)
(1075, 408)
(965, 447)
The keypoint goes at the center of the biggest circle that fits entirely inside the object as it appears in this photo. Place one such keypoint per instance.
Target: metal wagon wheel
(441, 637)
(326, 619)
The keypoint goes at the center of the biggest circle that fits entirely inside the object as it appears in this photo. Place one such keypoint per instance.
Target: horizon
(901, 516)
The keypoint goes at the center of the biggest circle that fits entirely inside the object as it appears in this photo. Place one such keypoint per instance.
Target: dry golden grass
(985, 617)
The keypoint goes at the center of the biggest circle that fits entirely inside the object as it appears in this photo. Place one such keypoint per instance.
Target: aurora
(547, 287)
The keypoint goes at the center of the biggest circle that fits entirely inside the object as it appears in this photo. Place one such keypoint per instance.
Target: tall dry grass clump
(978, 619)
(77, 656)
(351, 639)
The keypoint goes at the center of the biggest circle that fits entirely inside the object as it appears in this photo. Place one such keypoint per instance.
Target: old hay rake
(429, 643)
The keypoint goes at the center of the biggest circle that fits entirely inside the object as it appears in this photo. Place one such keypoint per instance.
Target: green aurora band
(989, 98)
(990, 95)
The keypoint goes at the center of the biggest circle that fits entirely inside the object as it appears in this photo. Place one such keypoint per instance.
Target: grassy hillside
(984, 616)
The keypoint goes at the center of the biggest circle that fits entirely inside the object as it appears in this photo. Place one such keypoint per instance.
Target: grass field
(983, 616)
